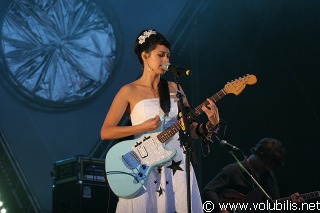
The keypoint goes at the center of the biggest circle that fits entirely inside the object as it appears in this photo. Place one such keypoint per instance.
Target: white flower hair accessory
(145, 35)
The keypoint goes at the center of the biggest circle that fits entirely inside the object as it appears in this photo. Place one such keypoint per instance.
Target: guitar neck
(174, 128)
(306, 196)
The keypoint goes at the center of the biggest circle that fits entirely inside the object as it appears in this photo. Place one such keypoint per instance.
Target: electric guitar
(129, 163)
(255, 196)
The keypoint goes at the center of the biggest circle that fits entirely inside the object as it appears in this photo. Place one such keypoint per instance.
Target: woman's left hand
(212, 112)
(296, 198)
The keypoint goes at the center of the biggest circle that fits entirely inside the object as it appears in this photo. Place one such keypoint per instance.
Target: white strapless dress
(166, 189)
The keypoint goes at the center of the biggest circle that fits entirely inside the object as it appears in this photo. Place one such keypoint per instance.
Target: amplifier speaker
(82, 197)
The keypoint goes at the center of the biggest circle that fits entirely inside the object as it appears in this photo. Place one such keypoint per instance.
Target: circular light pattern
(58, 52)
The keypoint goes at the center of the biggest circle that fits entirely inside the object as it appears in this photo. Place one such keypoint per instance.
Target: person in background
(233, 184)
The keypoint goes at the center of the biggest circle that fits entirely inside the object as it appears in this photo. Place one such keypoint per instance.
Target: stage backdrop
(59, 76)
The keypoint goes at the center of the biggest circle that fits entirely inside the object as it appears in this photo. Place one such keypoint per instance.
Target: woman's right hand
(152, 123)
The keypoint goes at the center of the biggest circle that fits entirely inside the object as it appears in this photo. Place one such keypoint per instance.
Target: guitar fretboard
(306, 196)
(174, 128)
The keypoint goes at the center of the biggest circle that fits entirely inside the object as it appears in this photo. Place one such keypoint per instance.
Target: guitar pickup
(142, 151)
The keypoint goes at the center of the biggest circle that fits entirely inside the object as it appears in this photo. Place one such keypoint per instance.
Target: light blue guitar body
(128, 163)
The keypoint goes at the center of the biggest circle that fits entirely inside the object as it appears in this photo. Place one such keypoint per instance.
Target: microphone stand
(231, 152)
(186, 131)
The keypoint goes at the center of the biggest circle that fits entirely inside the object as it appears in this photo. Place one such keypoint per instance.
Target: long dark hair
(147, 46)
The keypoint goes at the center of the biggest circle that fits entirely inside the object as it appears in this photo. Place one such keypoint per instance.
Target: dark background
(219, 40)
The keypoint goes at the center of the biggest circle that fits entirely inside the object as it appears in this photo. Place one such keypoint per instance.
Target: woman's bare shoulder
(172, 86)
(127, 89)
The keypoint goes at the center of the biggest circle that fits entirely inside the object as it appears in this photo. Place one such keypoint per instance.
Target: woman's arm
(111, 130)
(210, 110)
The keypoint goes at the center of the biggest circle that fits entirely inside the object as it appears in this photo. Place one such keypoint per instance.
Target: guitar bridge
(131, 160)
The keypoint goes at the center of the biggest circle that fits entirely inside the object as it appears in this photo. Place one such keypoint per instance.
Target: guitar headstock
(237, 86)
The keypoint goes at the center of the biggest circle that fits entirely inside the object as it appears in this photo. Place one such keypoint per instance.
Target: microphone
(176, 70)
(228, 145)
